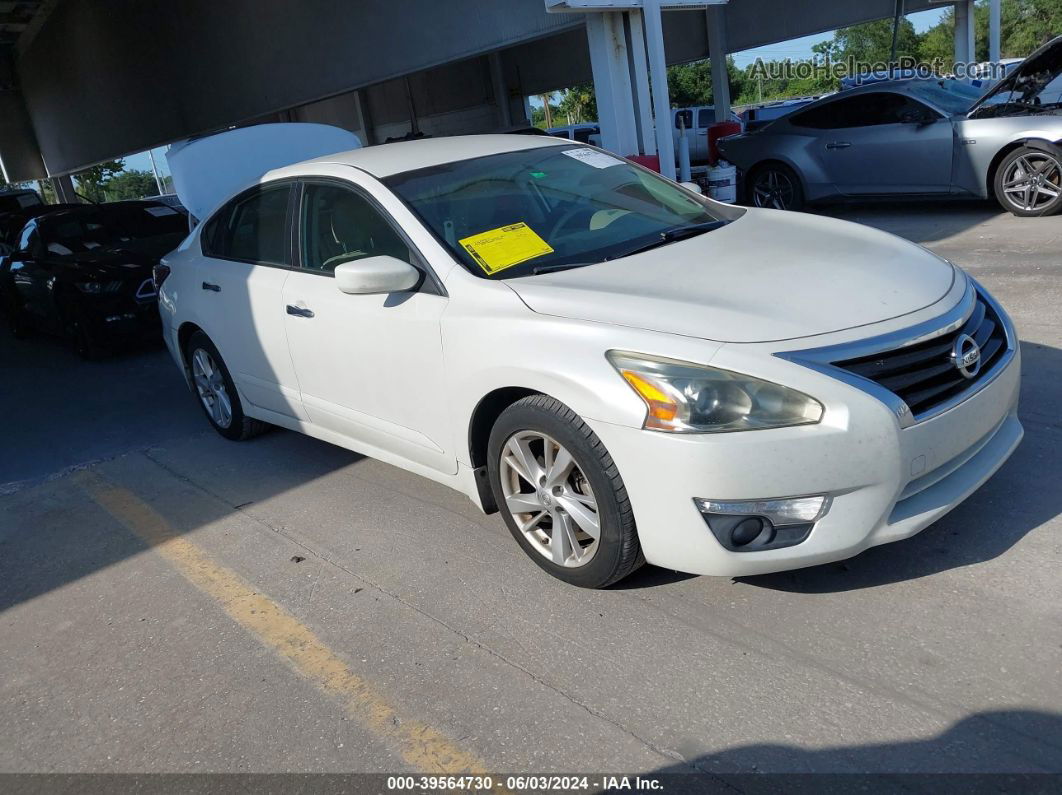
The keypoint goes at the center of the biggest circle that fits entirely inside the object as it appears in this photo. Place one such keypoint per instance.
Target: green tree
(92, 182)
(579, 103)
(871, 42)
(538, 115)
(131, 185)
(1024, 26)
(691, 83)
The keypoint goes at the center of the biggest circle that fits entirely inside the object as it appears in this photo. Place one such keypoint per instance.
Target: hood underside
(769, 276)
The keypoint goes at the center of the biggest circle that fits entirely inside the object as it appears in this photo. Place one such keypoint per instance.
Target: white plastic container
(722, 182)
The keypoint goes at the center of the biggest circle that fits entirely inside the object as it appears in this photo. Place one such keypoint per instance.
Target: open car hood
(1043, 66)
(207, 171)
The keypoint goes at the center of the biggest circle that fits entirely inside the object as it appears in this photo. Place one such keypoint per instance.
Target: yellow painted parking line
(422, 747)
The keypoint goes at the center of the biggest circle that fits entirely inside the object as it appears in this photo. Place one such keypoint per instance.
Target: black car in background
(83, 272)
(13, 219)
(12, 200)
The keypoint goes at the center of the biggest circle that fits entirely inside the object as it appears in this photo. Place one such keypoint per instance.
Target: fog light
(793, 510)
(761, 525)
(746, 531)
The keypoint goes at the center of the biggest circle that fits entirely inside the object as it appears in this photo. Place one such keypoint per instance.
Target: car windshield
(549, 208)
(105, 227)
(950, 96)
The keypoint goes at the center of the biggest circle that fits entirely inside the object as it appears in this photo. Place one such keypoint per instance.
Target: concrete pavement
(175, 602)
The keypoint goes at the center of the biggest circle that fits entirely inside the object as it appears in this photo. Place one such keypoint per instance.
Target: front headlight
(683, 397)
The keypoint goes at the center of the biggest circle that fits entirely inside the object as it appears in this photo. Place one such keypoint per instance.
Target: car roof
(385, 160)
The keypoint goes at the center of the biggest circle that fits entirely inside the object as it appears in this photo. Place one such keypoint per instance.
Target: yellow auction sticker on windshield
(505, 247)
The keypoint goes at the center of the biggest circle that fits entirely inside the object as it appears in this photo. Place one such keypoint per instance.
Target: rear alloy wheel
(1029, 182)
(775, 187)
(216, 392)
(561, 494)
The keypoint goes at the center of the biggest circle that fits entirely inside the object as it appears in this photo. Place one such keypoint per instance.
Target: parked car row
(83, 272)
(916, 138)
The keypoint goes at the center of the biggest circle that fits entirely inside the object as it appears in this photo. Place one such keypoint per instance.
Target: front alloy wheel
(561, 494)
(1029, 182)
(550, 498)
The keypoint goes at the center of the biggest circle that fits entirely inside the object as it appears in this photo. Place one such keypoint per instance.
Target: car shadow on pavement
(947, 218)
(1013, 742)
(1021, 496)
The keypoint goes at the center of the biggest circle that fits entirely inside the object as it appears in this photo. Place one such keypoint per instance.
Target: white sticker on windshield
(592, 157)
(160, 211)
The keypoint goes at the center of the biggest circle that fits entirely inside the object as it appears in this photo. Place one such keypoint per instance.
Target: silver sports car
(916, 137)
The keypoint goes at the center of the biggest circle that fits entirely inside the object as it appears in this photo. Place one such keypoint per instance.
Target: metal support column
(501, 93)
(640, 81)
(612, 82)
(964, 32)
(995, 24)
(64, 190)
(717, 47)
(654, 43)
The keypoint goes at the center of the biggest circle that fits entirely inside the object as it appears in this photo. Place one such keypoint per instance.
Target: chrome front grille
(927, 375)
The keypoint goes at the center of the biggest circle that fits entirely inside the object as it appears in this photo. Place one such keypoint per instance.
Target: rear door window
(252, 228)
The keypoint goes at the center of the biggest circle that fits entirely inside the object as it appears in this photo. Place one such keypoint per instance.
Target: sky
(801, 48)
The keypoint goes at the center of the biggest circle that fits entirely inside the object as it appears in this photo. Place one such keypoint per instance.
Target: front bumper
(124, 320)
(887, 482)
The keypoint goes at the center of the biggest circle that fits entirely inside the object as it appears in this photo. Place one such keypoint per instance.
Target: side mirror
(374, 275)
(692, 186)
(914, 117)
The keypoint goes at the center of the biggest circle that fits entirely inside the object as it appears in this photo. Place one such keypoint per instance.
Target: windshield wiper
(566, 266)
(671, 236)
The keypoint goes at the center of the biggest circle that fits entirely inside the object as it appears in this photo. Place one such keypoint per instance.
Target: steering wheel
(565, 219)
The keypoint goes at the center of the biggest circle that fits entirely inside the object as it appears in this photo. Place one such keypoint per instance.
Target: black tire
(782, 184)
(618, 552)
(241, 427)
(83, 340)
(1031, 203)
(16, 318)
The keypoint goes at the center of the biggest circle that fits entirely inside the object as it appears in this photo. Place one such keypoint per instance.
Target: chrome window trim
(822, 359)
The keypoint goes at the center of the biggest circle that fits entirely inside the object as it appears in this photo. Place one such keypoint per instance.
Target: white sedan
(628, 371)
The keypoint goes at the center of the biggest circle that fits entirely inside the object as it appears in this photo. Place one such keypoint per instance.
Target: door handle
(212, 287)
(838, 145)
(299, 311)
